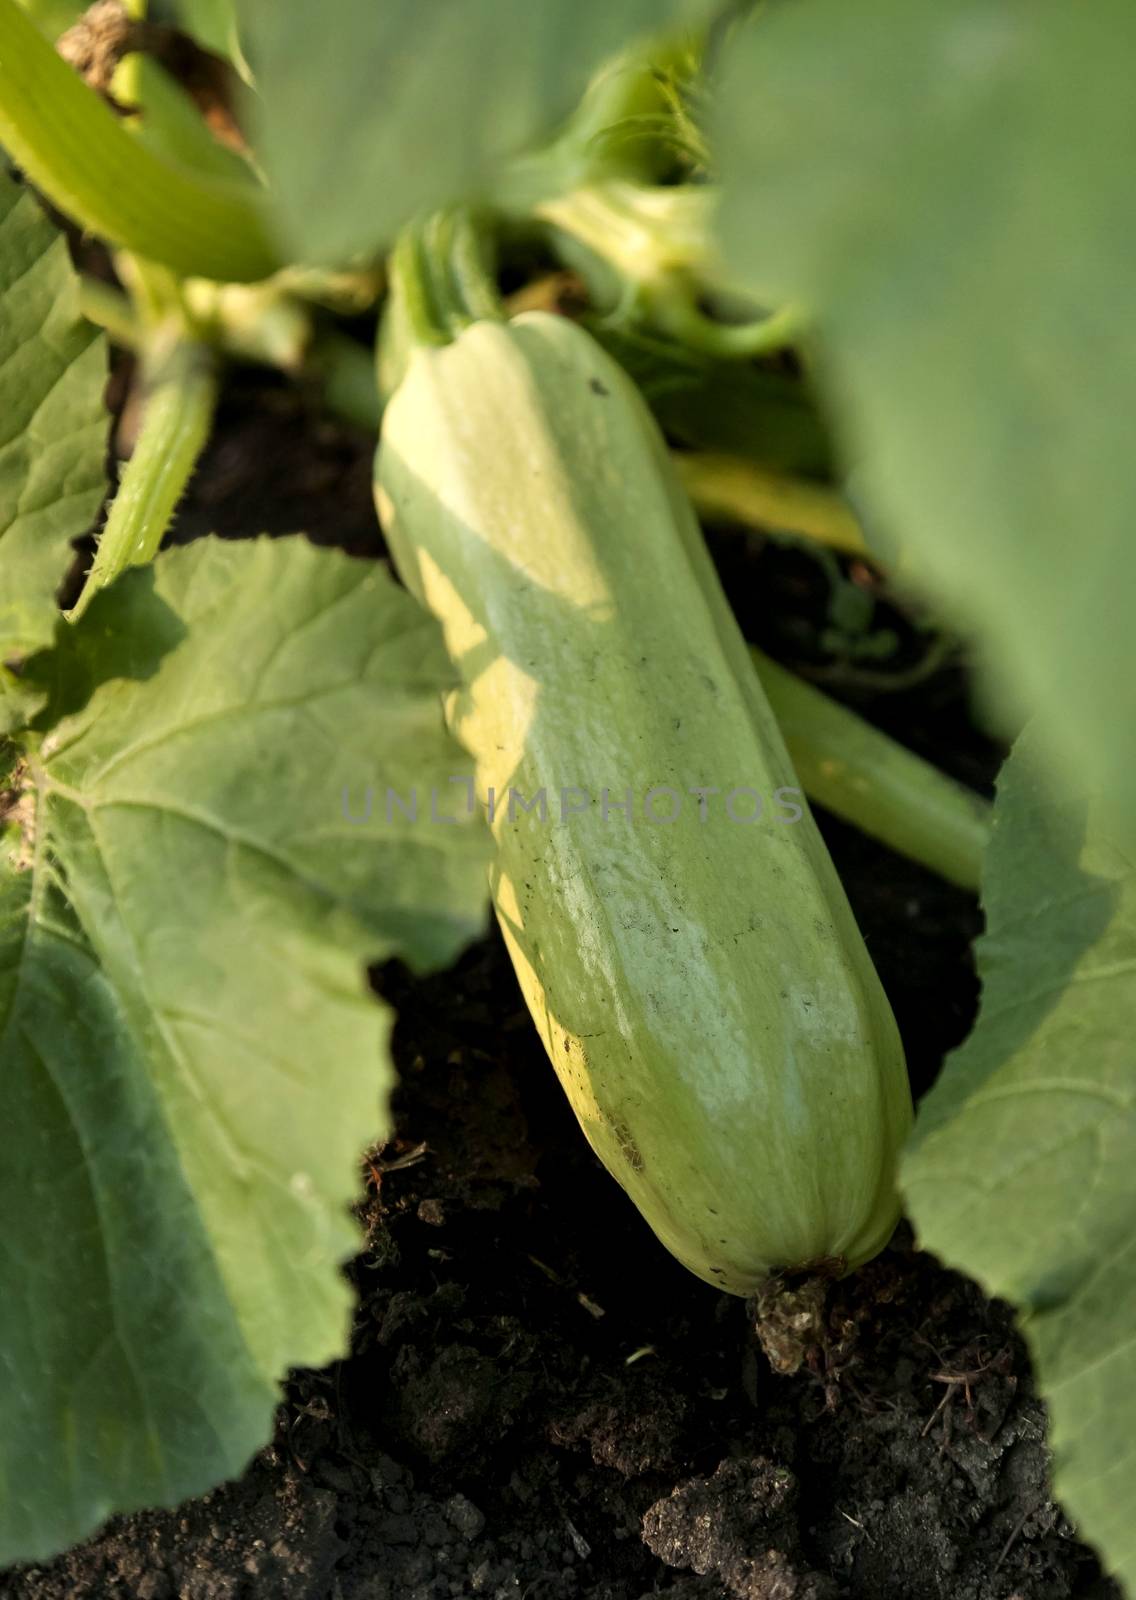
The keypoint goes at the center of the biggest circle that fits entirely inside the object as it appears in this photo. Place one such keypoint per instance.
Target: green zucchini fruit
(700, 984)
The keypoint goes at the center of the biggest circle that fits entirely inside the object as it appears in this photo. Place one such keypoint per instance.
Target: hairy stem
(181, 399)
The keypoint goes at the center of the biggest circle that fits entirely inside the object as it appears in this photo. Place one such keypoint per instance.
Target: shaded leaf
(192, 1061)
(53, 425)
(1020, 1168)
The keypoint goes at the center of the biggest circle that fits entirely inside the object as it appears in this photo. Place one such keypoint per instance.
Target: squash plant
(647, 261)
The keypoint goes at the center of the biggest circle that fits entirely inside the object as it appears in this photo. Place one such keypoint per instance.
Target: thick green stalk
(175, 426)
(866, 778)
(441, 280)
(472, 271)
(410, 317)
(73, 147)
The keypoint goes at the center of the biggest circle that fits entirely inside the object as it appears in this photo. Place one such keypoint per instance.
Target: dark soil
(540, 1403)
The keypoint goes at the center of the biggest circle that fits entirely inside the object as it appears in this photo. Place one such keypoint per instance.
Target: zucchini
(700, 984)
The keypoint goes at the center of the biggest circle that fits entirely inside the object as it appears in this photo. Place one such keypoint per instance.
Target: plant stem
(181, 399)
(410, 317)
(646, 255)
(674, 313)
(867, 779)
(472, 271)
(108, 308)
(411, 289)
(729, 488)
(441, 280)
(72, 146)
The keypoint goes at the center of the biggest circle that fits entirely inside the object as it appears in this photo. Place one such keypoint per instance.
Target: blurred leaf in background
(53, 17)
(373, 112)
(949, 188)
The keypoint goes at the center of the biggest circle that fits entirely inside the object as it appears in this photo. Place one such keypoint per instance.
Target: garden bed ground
(541, 1404)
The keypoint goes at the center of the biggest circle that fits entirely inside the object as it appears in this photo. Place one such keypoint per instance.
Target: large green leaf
(190, 1060)
(1021, 1167)
(376, 112)
(53, 425)
(54, 17)
(950, 187)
